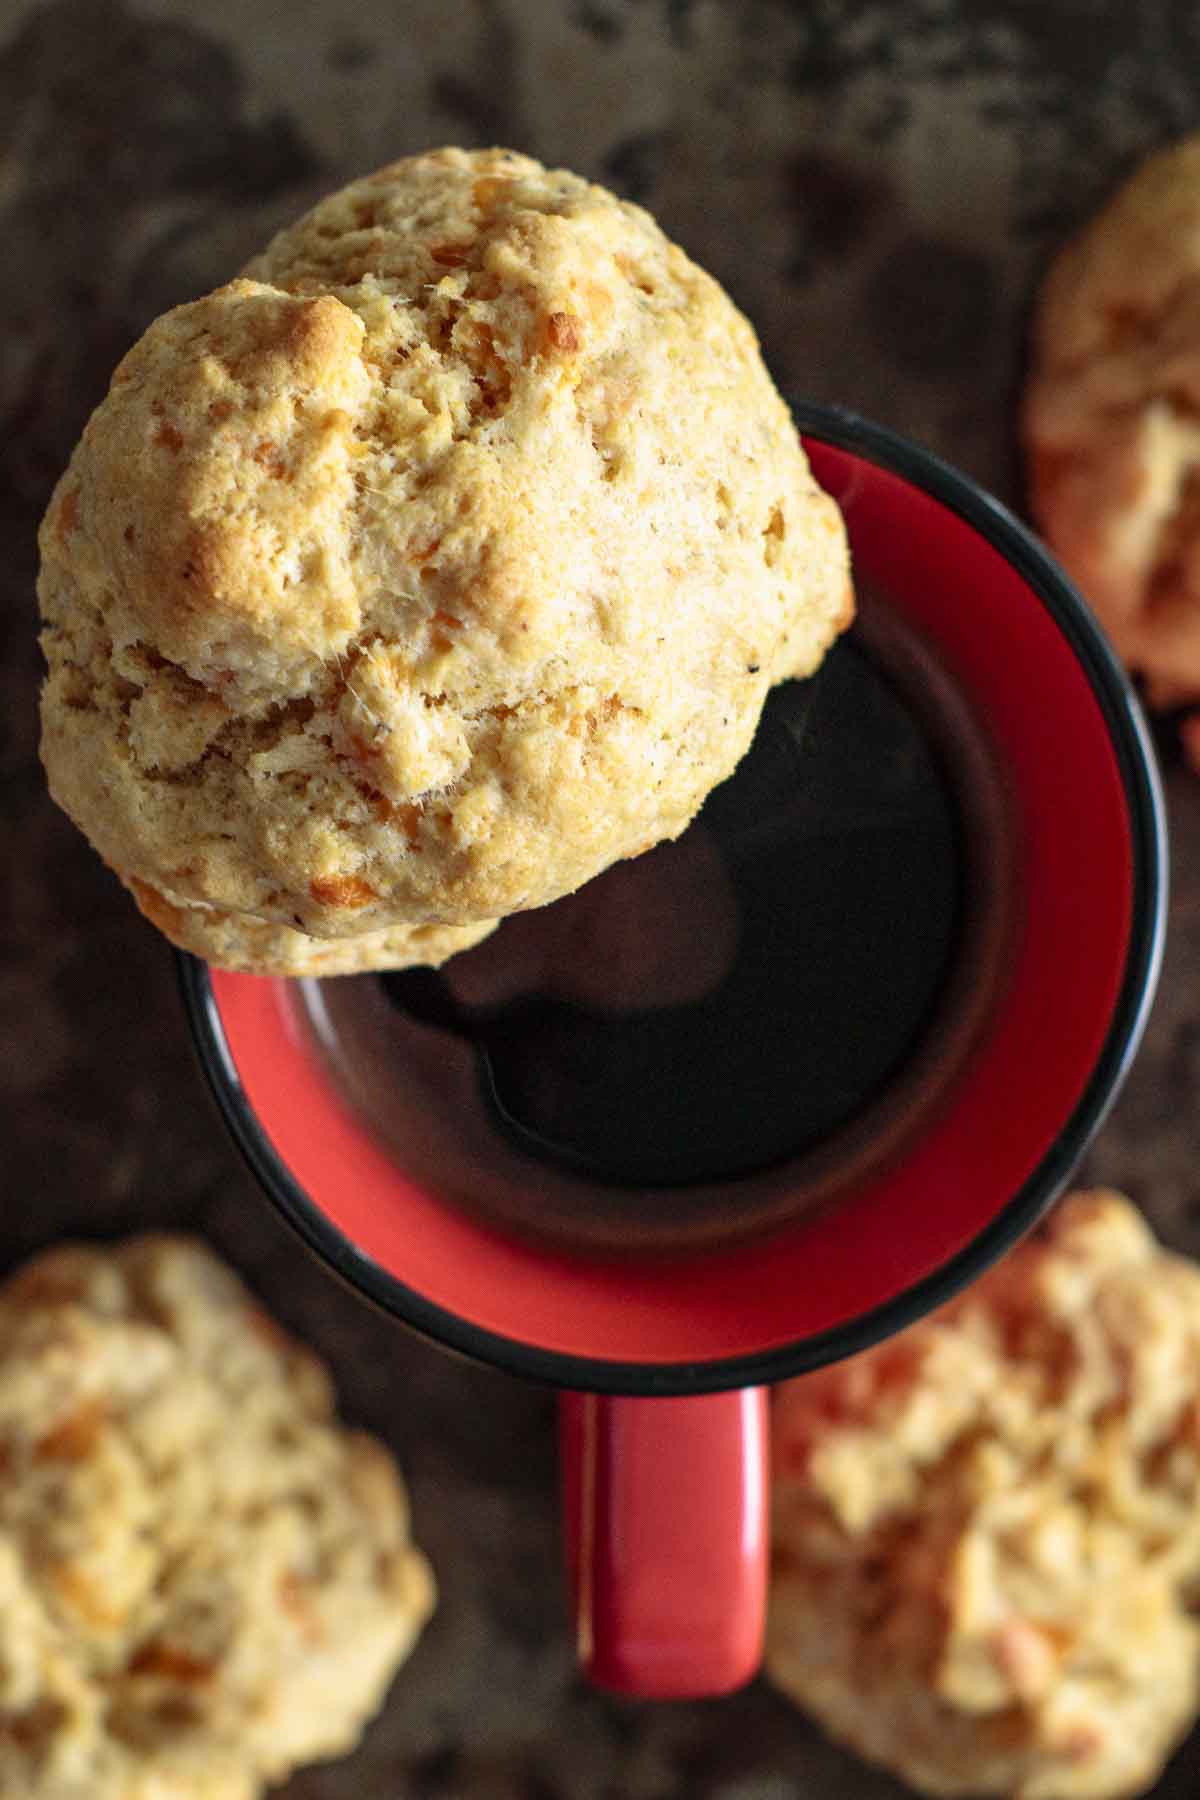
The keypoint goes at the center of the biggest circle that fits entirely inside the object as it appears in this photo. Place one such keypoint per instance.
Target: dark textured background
(878, 185)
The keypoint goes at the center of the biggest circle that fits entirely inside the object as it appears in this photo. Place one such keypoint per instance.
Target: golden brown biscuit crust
(254, 947)
(434, 567)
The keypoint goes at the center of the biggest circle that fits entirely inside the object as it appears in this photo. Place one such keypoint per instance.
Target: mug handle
(664, 1517)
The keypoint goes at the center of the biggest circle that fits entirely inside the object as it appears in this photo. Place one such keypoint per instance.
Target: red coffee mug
(665, 1357)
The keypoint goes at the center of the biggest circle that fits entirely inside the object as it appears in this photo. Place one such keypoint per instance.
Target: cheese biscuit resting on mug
(437, 563)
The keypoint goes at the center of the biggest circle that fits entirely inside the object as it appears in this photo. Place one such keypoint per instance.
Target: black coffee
(725, 1028)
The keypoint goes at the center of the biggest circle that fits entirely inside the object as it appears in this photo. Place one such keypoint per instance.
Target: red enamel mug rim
(1086, 782)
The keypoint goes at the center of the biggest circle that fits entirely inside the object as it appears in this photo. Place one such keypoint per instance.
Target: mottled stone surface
(878, 185)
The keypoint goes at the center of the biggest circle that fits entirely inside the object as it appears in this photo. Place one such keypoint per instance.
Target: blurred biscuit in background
(1111, 421)
(205, 1581)
(986, 1531)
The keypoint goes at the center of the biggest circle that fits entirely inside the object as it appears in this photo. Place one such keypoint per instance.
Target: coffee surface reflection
(707, 1036)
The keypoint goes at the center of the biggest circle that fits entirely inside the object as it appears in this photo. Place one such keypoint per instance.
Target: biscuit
(204, 1580)
(986, 1532)
(255, 947)
(435, 565)
(1111, 420)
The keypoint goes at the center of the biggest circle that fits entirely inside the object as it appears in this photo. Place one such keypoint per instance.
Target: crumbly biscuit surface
(987, 1532)
(440, 562)
(204, 1580)
(1112, 419)
(255, 947)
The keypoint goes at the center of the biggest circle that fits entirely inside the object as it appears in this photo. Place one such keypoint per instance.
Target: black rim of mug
(842, 430)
